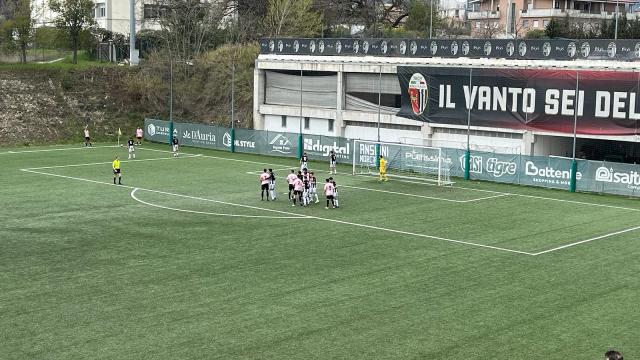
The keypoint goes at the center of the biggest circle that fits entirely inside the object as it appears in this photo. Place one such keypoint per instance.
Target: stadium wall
(542, 171)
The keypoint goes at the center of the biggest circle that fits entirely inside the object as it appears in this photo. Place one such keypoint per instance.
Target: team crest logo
(403, 47)
(522, 49)
(465, 48)
(637, 50)
(546, 49)
(585, 49)
(571, 49)
(296, 46)
(611, 50)
(510, 48)
(454, 48)
(418, 93)
(487, 48)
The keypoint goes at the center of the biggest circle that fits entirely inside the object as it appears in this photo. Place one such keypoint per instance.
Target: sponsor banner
(611, 178)
(607, 102)
(246, 140)
(157, 130)
(490, 166)
(556, 49)
(550, 172)
(318, 147)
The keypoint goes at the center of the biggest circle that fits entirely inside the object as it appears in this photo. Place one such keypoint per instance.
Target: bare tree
(292, 17)
(490, 28)
(188, 25)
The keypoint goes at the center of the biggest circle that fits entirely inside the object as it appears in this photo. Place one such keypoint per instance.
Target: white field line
(107, 163)
(403, 194)
(484, 198)
(587, 240)
(59, 149)
(453, 187)
(291, 214)
(133, 195)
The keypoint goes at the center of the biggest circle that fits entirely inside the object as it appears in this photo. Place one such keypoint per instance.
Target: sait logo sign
(604, 175)
(418, 93)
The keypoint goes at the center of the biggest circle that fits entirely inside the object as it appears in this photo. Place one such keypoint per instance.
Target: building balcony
(576, 14)
(483, 15)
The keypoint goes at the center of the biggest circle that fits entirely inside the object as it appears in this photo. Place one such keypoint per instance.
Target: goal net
(403, 161)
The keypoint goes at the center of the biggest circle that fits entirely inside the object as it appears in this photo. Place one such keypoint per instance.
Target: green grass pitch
(184, 261)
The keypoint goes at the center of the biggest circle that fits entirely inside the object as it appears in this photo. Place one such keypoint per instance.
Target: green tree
(420, 17)
(554, 29)
(74, 16)
(292, 18)
(23, 29)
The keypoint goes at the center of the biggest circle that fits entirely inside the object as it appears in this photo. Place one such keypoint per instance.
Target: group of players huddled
(303, 185)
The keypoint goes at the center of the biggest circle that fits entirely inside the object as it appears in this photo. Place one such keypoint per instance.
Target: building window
(101, 10)
(525, 23)
(536, 23)
(330, 128)
(306, 123)
(283, 121)
(545, 23)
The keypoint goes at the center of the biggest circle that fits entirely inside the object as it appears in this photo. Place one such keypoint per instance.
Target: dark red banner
(600, 102)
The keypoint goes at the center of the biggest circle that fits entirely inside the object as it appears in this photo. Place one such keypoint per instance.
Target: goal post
(406, 161)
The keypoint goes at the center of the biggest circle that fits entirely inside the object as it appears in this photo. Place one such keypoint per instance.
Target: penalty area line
(371, 227)
(10, 152)
(587, 240)
(133, 195)
(108, 162)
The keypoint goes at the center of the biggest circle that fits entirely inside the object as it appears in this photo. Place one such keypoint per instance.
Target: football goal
(403, 161)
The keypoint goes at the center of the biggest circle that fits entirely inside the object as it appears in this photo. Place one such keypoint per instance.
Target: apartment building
(113, 15)
(511, 18)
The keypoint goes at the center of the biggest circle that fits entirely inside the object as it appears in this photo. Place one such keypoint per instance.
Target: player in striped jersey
(272, 184)
(335, 193)
(314, 187)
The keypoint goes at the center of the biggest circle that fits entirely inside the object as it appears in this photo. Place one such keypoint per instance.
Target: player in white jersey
(87, 137)
(332, 162)
(132, 149)
(290, 179)
(328, 192)
(264, 184)
(313, 187)
(304, 162)
(272, 184)
(298, 187)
